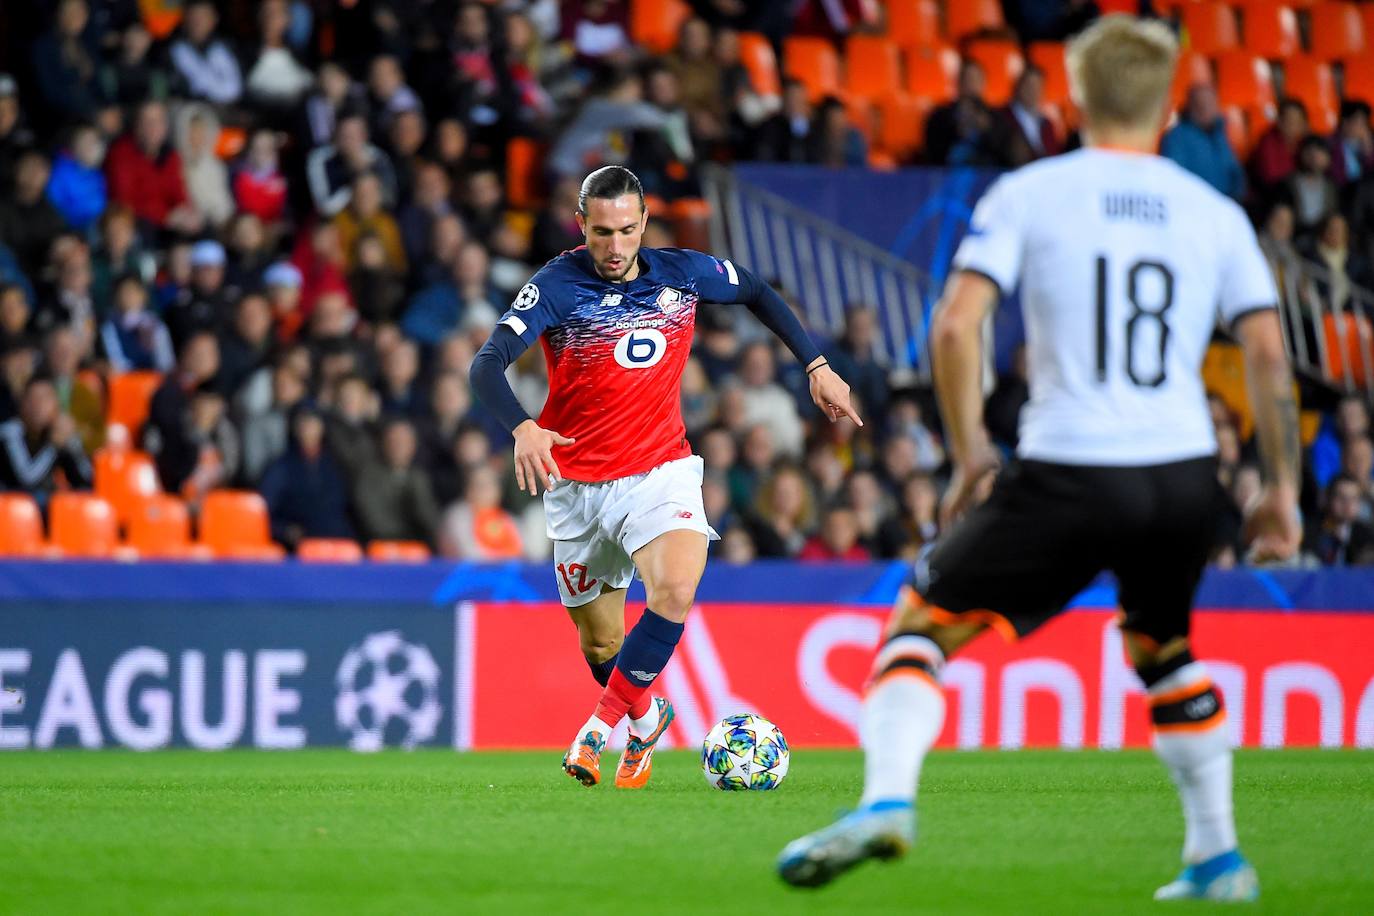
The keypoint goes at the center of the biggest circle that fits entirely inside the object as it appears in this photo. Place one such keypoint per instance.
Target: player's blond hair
(1121, 69)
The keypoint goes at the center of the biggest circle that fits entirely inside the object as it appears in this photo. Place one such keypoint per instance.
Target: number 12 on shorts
(575, 578)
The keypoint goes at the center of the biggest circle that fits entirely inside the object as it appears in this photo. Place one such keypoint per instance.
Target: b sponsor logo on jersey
(641, 349)
(611, 300)
(527, 298)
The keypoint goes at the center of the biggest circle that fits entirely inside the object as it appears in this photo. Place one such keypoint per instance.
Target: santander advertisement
(1289, 679)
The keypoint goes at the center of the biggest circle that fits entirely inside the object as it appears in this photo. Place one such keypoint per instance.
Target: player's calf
(1188, 721)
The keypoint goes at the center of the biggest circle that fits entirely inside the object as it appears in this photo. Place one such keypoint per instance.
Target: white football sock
(902, 716)
(1200, 764)
(645, 725)
(594, 725)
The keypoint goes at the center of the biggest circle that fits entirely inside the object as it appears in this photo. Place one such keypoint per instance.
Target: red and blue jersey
(616, 352)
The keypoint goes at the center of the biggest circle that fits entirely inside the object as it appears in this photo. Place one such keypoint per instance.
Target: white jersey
(1124, 262)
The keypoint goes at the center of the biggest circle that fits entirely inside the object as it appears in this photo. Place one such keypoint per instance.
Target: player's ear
(581, 222)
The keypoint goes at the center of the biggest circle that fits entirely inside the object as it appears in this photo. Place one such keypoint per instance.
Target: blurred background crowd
(297, 221)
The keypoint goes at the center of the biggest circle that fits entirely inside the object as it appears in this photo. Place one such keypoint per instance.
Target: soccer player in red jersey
(622, 489)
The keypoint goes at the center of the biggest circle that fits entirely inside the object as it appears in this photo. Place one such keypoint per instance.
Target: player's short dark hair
(608, 183)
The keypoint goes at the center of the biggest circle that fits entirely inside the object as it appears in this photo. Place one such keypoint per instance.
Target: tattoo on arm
(1283, 459)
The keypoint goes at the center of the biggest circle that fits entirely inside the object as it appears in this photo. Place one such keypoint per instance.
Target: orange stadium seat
(815, 62)
(964, 18)
(1244, 79)
(1211, 27)
(1192, 69)
(913, 23)
(397, 552)
(234, 524)
(82, 525)
(1272, 32)
(1236, 130)
(1359, 78)
(524, 173)
(932, 73)
(1107, 7)
(160, 529)
(761, 62)
(872, 67)
(1336, 31)
(1367, 23)
(130, 395)
(1049, 57)
(328, 550)
(1348, 363)
(1003, 63)
(1247, 5)
(124, 477)
(1310, 80)
(21, 526)
(902, 125)
(654, 24)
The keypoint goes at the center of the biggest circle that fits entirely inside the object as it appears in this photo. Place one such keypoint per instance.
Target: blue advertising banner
(215, 675)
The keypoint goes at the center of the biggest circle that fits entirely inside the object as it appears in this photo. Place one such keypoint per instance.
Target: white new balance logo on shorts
(644, 675)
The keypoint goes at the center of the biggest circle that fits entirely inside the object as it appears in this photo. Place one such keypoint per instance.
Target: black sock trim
(1197, 709)
(908, 661)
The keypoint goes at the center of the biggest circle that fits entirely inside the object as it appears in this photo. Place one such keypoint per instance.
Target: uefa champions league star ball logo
(527, 298)
(388, 693)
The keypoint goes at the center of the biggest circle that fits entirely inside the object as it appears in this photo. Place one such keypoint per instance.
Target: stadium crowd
(300, 214)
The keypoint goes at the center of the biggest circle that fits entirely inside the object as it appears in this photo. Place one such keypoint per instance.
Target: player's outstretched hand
(831, 395)
(969, 485)
(1272, 528)
(534, 462)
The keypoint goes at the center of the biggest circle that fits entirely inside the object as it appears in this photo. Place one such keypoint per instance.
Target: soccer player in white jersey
(1124, 261)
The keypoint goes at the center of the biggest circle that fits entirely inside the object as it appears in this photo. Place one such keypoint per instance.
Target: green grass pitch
(433, 831)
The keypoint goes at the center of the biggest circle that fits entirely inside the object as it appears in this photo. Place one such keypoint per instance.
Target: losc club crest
(388, 693)
(670, 300)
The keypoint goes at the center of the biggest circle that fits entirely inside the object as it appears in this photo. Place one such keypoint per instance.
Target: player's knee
(599, 648)
(1148, 652)
(672, 598)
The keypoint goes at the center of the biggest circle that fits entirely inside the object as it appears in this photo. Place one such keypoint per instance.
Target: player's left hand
(831, 395)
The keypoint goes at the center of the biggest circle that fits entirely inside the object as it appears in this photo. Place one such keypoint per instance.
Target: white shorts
(597, 527)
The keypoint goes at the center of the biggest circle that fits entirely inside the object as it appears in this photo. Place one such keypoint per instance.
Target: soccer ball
(745, 752)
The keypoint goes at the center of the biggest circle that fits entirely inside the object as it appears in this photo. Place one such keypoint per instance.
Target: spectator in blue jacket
(76, 186)
(1198, 143)
(133, 337)
(304, 488)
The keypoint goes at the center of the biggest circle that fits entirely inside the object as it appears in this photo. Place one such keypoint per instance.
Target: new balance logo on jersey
(611, 300)
(684, 514)
(645, 676)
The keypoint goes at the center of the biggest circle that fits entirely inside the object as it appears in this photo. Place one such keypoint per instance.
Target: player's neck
(1122, 140)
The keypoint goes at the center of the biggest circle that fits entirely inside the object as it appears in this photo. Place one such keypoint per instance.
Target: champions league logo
(527, 298)
(388, 693)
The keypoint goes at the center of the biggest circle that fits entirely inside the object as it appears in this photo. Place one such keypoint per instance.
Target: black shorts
(1048, 529)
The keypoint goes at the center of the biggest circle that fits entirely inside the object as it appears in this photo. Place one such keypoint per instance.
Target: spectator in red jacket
(259, 185)
(144, 173)
(838, 539)
(1276, 154)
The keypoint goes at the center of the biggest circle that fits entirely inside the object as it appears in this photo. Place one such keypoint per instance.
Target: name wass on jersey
(1124, 262)
(616, 352)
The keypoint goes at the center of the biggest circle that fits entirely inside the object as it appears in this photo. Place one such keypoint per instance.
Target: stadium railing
(823, 267)
(1328, 341)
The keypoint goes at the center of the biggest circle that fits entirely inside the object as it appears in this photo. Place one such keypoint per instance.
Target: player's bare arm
(1272, 520)
(956, 344)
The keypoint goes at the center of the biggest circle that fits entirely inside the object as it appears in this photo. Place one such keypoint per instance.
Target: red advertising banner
(1289, 679)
